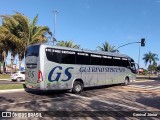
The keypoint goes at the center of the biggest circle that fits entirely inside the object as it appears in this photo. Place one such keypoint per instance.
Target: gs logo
(31, 74)
(58, 74)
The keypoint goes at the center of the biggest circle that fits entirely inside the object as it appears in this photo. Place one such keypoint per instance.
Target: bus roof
(113, 54)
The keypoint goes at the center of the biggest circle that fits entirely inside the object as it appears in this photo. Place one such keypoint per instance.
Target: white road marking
(148, 87)
(108, 102)
(144, 80)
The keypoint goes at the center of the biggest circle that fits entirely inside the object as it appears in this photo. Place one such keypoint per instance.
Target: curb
(6, 79)
(12, 90)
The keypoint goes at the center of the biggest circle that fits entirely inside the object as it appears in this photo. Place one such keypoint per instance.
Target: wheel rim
(78, 87)
(126, 81)
(18, 79)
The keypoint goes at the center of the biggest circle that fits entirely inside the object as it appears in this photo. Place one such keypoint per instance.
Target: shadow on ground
(151, 102)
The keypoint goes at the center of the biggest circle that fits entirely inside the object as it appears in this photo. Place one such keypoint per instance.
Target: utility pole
(139, 57)
(54, 35)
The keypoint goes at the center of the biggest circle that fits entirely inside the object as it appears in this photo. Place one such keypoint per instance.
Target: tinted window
(54, 55)
(96, 59)
(60, 56)
(82, 58)
(107, 61)
(68, 57)
(32, 51)
(116, 61)
(125, 63)
(22, 72)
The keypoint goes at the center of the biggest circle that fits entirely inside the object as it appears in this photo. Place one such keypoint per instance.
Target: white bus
(59, 68)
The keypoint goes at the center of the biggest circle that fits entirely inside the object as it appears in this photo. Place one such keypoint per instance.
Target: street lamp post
(54, 35)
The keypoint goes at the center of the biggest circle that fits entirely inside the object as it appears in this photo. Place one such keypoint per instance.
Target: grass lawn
(11, 86)
(4, 76)
(146, 77)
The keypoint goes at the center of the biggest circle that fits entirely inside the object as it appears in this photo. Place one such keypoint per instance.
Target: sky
(90, 23)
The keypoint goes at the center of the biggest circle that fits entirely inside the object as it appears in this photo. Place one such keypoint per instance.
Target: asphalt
(21, 90)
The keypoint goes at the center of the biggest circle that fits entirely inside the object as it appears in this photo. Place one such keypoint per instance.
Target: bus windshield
(32, 51)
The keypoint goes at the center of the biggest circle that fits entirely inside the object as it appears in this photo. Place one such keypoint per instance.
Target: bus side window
(68, 58)
(96, 59)
(82, 58)
(125, 63)
(107, 61)
(54, 56)
(116, 62)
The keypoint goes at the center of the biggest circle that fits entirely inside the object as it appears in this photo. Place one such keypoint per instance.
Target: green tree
(4, 48)
(152, 67)
(150, 58)
(158, 67)
(19, 30)
(107, 47)
(70, 44)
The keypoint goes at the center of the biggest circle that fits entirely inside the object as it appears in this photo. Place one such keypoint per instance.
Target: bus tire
(126, 82)
(77, 87)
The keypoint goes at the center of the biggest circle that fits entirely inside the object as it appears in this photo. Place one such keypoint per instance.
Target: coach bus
(59, 68)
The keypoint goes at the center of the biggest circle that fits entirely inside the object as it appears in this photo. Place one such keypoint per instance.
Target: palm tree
(30, 33)
(67, 44)
(4, 54)
(18, 29)
(107, 47)
(150, 57)
(10, 36)
(4, 50)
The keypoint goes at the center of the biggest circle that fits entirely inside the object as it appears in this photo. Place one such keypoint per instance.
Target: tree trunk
(4, 64)
(4, 68)
(12, 60)
(20, 59)
(0, 68)
(20, 62)
(149, 71)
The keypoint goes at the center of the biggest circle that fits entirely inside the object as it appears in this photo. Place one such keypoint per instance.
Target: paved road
(140, 96)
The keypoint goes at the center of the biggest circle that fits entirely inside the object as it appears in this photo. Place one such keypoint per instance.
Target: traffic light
(142, 42)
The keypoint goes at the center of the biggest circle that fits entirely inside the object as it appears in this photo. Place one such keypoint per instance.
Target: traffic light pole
(126, 44)
(142, 44)
(139, 57)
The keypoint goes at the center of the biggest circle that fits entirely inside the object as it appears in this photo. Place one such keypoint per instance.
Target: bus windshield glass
(32, 51)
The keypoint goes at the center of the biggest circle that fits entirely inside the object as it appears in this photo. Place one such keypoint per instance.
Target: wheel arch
(77, 79)
(127, 78)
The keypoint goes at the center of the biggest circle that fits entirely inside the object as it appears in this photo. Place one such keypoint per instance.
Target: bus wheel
(126, 82)
(77, 87)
